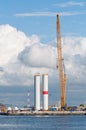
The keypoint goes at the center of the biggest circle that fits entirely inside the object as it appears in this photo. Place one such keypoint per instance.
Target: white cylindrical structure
(37, 92)
(28, 99)
(45, 91)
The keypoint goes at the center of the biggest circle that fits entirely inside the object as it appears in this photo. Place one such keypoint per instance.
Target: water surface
(68, 122)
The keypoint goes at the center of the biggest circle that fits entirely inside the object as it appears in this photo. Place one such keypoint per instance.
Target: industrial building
(3, 108)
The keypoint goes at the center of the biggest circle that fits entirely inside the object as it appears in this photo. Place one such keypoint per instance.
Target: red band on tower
(45, 92)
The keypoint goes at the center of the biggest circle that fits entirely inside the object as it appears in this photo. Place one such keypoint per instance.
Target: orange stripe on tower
(45, 92)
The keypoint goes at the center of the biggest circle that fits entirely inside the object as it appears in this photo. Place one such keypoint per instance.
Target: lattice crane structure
(60, 66)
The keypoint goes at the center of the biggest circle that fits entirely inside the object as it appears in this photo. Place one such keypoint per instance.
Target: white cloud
(21, 57)
(70, 4)
(49, 14)
(74, 50)
(36, 14)
(11, 43)
(39, 55)
(77, 45)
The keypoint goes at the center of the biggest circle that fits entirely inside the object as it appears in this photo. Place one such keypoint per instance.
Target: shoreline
(41, 113)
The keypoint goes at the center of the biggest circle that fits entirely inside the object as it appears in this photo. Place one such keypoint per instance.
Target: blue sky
(28, 27)
(30, 24)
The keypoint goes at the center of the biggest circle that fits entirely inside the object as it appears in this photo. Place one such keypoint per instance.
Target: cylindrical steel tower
(37, 92)
(28, 99)
(45, 91)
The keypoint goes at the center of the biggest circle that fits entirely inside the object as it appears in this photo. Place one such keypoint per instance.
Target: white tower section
(37, 92)
(45, 91)
(28, 99)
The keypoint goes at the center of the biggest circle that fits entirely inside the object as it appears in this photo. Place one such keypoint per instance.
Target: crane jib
(61, 68)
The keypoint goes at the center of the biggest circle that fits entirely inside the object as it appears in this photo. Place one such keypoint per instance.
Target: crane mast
(60, 66)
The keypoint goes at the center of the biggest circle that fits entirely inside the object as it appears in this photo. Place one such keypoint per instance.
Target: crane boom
(60, 66)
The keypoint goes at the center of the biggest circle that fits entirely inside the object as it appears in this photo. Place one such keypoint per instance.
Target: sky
(28, 46)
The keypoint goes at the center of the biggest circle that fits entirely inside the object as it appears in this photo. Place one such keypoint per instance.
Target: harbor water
(67, 122)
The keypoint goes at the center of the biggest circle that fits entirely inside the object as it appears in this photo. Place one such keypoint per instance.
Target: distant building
(3, 108)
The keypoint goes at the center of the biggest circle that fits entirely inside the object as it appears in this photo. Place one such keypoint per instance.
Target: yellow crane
(60, 66)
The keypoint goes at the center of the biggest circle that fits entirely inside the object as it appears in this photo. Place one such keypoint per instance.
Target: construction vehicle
(60, 66)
